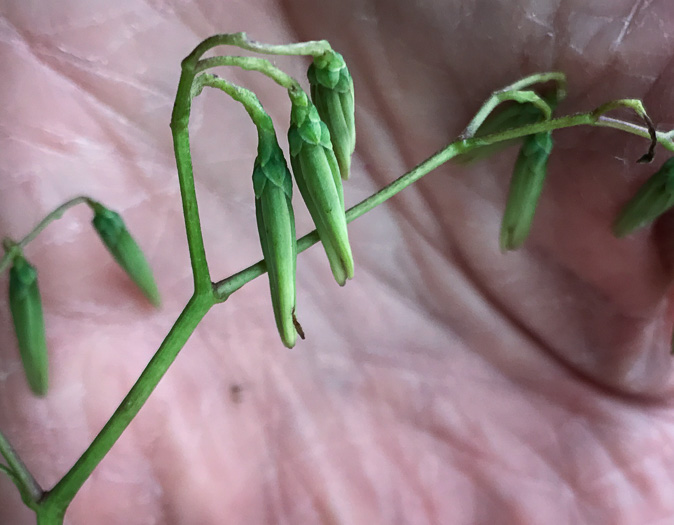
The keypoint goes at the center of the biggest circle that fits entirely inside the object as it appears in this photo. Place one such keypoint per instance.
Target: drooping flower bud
(653, 199)
(25, 304)
(525, 189)
(332, 93)
(317, 175)
(113, 232)
(272, 184)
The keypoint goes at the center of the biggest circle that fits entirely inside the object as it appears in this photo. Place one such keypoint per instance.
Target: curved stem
(241, 40)
(261, 65)
(57, 213)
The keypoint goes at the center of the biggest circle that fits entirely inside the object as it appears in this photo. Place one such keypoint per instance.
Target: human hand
(447, 383)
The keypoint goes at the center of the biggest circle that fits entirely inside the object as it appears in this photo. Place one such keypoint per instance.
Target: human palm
(447, 383)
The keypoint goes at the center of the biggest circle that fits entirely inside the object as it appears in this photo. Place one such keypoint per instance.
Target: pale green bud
(525, 189)
(272, 184)
(654, 198)
(332, 93)
(317, 175)
(25, 304)
(113, 232)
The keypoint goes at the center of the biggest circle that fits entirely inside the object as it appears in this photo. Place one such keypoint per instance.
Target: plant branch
(57, 499)
(241, 40)
(11, 248)
(224, 288)
(261, 65)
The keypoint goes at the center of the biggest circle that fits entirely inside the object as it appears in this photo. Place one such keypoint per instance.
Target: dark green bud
(25, 304)
(318, 177)
(113, 232)
(332, 93)
(654, 198)
(272, 184)
(525, 189)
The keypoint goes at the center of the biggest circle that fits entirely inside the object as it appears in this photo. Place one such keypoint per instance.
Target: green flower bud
(653, 199)
(111, 229)
(25, 304)
(317, 175)
(272, 184)
(525, 189)
(332, 93)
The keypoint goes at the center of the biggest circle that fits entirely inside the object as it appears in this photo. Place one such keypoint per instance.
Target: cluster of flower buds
(322, 139)
(25, 302)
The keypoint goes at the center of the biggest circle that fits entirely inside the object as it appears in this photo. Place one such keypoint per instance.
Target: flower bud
(317, 175)
(25, 304)
(525, 189)
(272, 184)
(653, 199)
(111, 229)
(332, 93)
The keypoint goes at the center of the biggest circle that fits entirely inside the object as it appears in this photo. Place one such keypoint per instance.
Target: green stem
(261, 65)
(11, 248)
(57, 499)
(241, 40)
(246, 97)
(181, 145)
(514, 92)
(225, 288)
(30, 489)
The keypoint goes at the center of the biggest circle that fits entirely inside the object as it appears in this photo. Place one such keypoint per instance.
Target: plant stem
(57, 499)
(30, 489)
(57, 213)
(181, 145)
(241, 40)
(261, 65)
(224, 288)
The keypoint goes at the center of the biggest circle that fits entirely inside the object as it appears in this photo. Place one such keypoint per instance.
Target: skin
(447, 383)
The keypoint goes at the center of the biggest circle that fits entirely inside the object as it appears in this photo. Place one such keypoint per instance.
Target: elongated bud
(111, 229)
(525, 189)
(332, 93)
(317, 175)
(25, 304)
(276, 226)
(653, 199)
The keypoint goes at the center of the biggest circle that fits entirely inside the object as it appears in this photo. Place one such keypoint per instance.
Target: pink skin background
(447, 383)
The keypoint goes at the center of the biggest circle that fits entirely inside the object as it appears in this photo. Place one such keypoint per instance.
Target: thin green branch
(241, 40)
(514, 92)
(181, 145)
(224, 288)
(245, 96)
(261, 65)
(29, 488)
(57, 499)
(11, 248)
